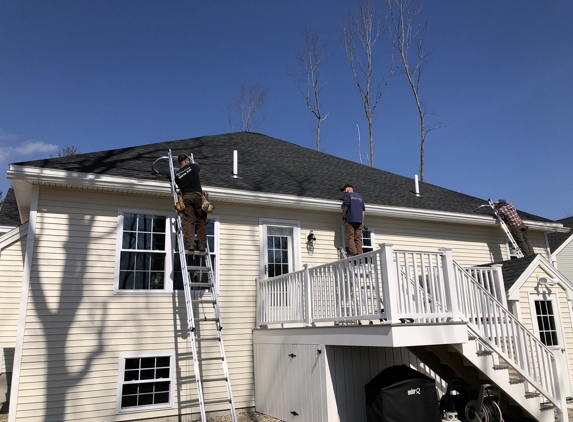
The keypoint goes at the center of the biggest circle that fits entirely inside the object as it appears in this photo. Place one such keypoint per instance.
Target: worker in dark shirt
(189, 183)
(353, 211)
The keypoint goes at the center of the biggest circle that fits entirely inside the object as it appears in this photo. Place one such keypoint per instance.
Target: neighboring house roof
(269, 165)
(559, 240)
(9, 216)
(516, 272)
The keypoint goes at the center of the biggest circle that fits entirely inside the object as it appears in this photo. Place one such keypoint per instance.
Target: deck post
(307, 299)
(499, 287)
(389, 282)
(450, 287)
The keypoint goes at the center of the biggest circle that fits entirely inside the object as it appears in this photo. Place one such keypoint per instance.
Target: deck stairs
(394, 286)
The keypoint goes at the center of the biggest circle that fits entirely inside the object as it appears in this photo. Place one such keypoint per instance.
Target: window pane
(162, 373)
(128, 240)
(126, 280)
(145, 399)
(162, 386)
(127, 261)
(128, 401)
(161, 398)
(146, 387)
(131, 375)
(159, 224)
(129, 222)
(158, 242)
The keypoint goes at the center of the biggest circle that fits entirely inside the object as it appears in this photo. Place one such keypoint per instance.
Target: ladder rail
(191, 321)
(516, 248)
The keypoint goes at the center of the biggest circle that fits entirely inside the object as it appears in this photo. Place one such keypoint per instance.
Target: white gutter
(161, 187)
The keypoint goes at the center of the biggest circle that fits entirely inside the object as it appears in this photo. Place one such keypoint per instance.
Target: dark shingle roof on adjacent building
(556, 239)
(9, 215)
(270, 165)
(512, 269)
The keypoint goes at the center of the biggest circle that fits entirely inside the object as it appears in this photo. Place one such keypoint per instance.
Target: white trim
(547, 296)
(161, 188)
(6, 229)
(541, 262)
(27, 271)
(13, 236)
(296, 249)
(121, 371)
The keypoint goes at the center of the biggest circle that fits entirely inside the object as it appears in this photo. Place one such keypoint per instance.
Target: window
(142, 252)
(546, 322)
(510, 250)
(145, 383)
(280, 247)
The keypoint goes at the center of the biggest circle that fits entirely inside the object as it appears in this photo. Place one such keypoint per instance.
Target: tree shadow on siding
(60, 379)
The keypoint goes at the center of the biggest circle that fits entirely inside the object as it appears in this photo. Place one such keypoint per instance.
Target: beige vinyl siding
(531, 286)
(77, 328)
(565, 261)
(11, 270)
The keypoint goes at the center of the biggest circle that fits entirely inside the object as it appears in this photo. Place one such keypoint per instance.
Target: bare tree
(359, 35)
(403, 20)
(309, 76)
(1, 199)
(64, 152)
(248, 105)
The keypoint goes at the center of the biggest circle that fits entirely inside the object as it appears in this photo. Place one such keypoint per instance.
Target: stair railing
(502, 332)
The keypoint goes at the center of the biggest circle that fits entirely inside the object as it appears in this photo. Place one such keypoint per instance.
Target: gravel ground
(241, 417)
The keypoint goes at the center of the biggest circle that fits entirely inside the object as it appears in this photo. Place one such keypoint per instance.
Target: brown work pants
(521, 237)
(194, 216)
(353, 236)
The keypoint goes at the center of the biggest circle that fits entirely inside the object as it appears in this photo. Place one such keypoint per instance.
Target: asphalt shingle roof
(556, 239)
(270, 165)
(9, 215)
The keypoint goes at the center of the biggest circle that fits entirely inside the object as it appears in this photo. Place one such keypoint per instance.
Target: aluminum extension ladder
(516, 248)
(195, 289)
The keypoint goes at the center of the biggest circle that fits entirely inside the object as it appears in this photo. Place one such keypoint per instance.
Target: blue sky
(99, 74)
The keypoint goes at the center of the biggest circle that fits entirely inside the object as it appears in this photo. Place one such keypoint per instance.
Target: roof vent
(236, 165)
(416, 187)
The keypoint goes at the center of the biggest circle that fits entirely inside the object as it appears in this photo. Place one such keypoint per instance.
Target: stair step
(500, 367)
(546, 406)
(484, 353)
(516, 380)
(532, 394)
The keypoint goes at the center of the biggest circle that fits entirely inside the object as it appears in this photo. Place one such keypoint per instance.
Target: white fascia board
(161, 187)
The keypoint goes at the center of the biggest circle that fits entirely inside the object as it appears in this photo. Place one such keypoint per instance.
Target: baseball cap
(181, 158)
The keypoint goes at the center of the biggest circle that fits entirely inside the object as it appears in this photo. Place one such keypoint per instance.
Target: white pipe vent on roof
(236, 165)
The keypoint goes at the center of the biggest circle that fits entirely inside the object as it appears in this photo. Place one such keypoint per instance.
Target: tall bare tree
(248, 107)
(308, 78)
(360, 33)
(406, 26)
(64, 152)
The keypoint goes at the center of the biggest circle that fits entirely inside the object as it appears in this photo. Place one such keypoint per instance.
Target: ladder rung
(197, 268)
(206, 285)
(215, 401)
(214, 379)
(214, 358)
(207, 338)
(207, 319)
(204, 301)
(200, 253)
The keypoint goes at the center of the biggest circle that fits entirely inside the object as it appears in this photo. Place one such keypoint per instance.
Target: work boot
(191, 248)
(202, 248)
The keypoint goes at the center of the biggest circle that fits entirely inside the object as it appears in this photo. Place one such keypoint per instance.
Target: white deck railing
(501, 332)
(360, 288)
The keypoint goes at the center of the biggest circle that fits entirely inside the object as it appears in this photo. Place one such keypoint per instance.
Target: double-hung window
(142, 261)
(145, 382)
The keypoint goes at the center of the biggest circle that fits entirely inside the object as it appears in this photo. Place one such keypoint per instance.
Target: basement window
(145, 383)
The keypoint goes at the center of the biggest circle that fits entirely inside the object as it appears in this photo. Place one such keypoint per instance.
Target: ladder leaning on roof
(194, 290)
(516, 247)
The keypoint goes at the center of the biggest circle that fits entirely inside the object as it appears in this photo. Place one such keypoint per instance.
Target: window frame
(296, 243)
(168, 278)
(121, 382)
(554, 299)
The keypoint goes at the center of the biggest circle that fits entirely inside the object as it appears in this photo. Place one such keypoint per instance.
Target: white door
(279, 250)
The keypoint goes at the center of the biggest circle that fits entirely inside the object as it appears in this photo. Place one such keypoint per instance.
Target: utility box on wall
(290, 382)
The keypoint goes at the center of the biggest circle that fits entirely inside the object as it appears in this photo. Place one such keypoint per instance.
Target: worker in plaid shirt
(518, 230)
